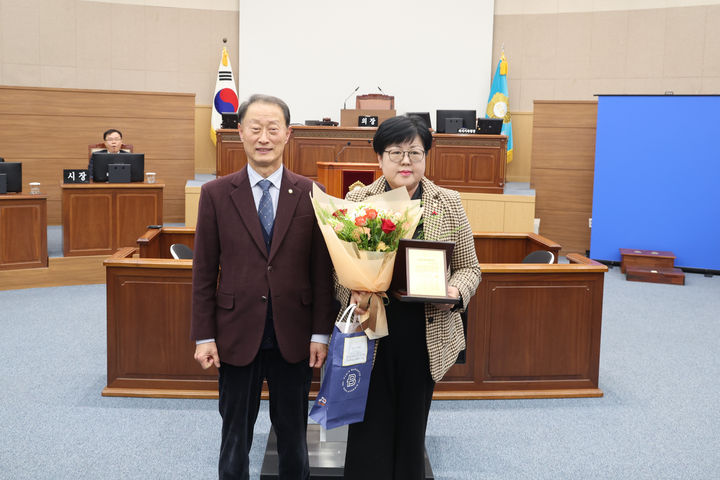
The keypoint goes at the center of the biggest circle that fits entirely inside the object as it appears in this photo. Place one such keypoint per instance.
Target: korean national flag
(225, 98)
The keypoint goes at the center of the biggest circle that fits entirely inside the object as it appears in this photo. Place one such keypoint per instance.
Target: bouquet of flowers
(362, 239)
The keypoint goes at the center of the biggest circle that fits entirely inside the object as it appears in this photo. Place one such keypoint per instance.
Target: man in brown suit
(262, 292)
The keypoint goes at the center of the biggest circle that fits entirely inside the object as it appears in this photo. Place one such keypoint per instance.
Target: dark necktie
(265, 210)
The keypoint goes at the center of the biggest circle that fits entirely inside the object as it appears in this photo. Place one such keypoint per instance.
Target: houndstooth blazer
(444, 219)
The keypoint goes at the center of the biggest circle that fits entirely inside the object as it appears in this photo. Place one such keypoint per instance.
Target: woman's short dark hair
(399, 130)
(259, 98)
(112, 130)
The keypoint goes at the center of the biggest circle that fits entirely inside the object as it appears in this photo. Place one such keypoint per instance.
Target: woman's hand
(451, 292)
(361, 299)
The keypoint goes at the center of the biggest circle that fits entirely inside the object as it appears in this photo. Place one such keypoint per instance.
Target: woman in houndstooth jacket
(424, 339)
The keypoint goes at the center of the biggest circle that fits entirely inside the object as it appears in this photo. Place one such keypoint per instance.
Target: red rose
(340, 212)
(387, 225)
(361, 221)
(370, 213)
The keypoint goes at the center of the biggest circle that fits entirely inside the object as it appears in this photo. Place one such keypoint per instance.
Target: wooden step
(646, 258)
(673, 276)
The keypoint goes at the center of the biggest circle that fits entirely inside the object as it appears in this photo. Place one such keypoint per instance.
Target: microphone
(381, 91)
(337, 157)
(351, 94)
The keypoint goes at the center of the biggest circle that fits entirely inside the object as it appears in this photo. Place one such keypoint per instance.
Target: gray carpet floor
(659, 418)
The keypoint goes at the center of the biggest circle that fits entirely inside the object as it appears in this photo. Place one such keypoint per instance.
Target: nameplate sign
(367, 121)
(76, 176)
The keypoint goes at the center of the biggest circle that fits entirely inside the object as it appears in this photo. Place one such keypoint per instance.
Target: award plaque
(419, 273)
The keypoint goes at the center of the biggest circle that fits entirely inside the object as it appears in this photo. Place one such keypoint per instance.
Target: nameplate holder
(76, 175)
(367, 121)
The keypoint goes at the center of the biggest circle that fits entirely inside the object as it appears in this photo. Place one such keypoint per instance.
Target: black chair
(180, 251)
(539, 256)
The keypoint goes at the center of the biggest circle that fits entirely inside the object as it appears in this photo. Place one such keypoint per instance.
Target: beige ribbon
(374, 320)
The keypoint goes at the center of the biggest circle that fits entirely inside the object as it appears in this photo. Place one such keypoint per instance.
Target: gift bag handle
(349, 312)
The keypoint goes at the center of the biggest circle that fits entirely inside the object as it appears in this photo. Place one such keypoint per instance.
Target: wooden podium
(349, 116)
(339, 177)
(149, 351)
(23, 231)
(99, 218)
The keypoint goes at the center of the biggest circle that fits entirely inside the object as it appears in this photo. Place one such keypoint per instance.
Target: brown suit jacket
(233, 272)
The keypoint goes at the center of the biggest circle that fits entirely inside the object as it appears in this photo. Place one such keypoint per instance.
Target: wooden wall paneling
(519, 169)
(160, 125)
(562, 171)
(489, 212)
(563, 190)
(571, 226)
(565, 113)
(568, 148)
(82, 102)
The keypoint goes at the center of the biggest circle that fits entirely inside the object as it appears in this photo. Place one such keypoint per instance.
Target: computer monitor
(13, 175)
(489, 126)
(229, 120)
(449, 121)
(425, 116)
(100, 162)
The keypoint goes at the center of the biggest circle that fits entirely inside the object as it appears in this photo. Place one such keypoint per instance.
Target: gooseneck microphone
(351, 94)
(381, 91)
(337, 157)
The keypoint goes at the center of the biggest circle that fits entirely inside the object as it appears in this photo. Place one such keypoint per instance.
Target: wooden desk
(533, 330)
(466, 163)
(149, 351)
(23, 231)
(99, 218)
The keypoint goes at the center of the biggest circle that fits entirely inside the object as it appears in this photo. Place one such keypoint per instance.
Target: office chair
(539, 256)
(180, 251)
(92, 148)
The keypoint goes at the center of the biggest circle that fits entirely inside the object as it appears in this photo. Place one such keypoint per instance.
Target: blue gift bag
(344, 389)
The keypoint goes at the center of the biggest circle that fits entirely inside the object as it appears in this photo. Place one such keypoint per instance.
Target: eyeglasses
(111, 139)
(396, 156)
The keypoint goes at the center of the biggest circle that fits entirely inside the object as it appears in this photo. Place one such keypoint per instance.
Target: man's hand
(451, 292)
(318, 354)
(206, 355)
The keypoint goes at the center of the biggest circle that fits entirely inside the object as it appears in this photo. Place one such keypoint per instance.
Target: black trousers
(390, 442)
(240, 389)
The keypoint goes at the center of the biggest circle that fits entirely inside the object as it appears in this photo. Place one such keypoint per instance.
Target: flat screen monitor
(489, 126)
(229, 120)
(100, 162)
(13, 172)
(447, 120)
(425, 116)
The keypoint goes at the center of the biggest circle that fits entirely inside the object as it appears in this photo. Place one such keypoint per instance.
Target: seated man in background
(113, 141)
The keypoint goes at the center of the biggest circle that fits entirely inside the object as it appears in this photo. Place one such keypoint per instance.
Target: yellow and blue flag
(497, 106)
(225, 98)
